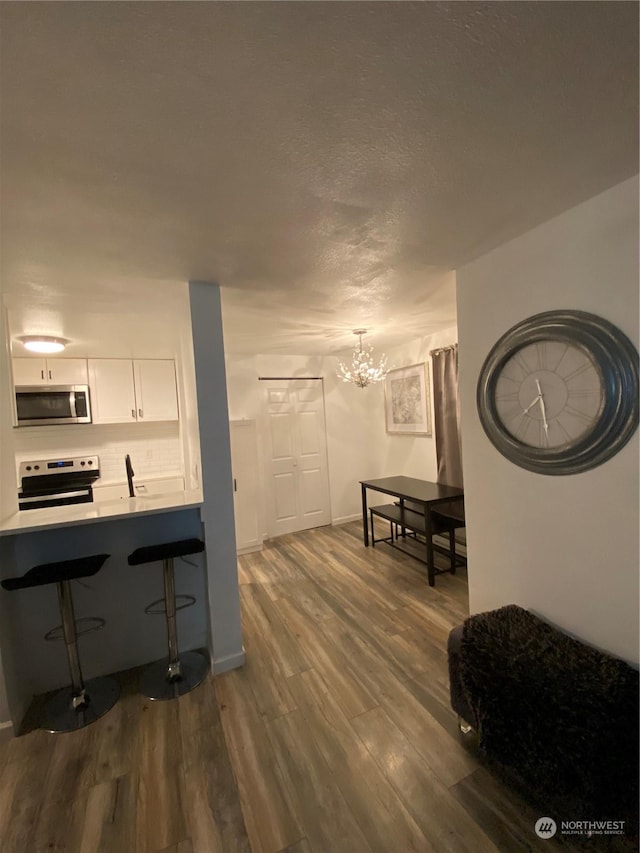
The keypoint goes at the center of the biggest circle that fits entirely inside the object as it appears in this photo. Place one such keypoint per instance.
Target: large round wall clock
(558, 393)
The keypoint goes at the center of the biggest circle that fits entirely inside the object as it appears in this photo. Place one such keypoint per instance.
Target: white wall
(358, 446)
(155, 448)
(565, 547)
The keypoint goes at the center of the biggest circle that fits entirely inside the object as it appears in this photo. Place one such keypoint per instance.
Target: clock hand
(544, 414)
(532, 404)
(542, 408)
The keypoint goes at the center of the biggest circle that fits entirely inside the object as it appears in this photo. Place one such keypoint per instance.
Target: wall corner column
(217, 509)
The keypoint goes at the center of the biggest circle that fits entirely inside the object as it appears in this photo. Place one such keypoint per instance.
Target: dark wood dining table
(423, 493)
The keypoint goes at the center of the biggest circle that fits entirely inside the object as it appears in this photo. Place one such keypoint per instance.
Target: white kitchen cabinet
(244, 465)
(125, 391)
(155, 387)
(49, 371)
(113, 398)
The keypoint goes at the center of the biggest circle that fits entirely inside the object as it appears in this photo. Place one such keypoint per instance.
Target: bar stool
(73, 709)
(178, 674)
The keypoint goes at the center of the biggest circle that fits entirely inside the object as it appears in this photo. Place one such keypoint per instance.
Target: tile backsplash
(155, 448)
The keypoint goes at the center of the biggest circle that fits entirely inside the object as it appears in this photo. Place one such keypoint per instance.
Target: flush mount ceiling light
(43, 343)
(363, 371)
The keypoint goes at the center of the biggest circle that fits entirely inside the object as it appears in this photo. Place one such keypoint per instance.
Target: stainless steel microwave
(50, 405)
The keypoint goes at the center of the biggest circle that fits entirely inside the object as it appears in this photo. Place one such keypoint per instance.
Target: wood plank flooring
(335, 737)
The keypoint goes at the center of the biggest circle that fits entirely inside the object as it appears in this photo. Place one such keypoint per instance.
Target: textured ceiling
(326, 163)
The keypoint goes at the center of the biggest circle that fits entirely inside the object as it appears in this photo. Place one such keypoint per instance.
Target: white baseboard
(6, 732)
(249, 549)
(225, 664)
(345, 519)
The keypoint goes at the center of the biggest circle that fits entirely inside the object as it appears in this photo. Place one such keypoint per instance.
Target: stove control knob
(90, 462)
(83, 462)
(36, 467)
(28, 467)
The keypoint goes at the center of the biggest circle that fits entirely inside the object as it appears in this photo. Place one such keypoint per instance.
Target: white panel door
(296, 455)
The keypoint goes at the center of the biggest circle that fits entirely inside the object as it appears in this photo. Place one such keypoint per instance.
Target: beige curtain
(446, 415)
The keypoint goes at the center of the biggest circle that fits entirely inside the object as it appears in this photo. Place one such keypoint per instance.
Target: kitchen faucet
(130, 474)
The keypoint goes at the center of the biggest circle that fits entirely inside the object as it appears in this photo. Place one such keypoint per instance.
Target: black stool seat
(178, 673)
(74, 708)
(66, 570)
(165, 551)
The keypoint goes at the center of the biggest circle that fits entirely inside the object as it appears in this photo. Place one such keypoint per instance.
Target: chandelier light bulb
(363, 371)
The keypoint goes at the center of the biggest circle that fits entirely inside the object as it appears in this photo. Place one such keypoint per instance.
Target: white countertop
(25, 521)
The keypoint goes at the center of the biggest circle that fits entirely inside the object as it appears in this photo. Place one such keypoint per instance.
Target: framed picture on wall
(406, 400)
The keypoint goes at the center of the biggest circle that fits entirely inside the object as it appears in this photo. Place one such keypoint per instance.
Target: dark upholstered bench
(558, 716)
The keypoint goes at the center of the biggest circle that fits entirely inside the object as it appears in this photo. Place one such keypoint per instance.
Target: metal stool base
(59, 715)
(156, 685)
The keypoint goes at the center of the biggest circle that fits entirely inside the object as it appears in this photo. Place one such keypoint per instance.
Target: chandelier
(362, 371)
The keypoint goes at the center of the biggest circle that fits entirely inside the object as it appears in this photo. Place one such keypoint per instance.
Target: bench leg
(373, 532)
(429, 546)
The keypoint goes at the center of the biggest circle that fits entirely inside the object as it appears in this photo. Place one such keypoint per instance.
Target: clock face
(558, 392)
(549, 394)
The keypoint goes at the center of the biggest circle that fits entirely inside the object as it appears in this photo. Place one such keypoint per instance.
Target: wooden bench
(405, 518)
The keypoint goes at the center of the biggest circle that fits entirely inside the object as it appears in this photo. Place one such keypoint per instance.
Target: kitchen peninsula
(118, 593)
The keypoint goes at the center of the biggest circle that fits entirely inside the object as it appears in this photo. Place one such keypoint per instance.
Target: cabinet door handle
(235, 485)
(50, 377)
(133, 414)
(42, 374)
(140, 412)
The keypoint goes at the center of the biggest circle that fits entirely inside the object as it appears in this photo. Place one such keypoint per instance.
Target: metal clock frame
(616, 360)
